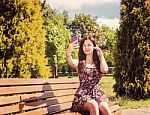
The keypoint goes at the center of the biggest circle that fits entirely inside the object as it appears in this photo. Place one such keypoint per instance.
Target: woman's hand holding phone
(74, 45)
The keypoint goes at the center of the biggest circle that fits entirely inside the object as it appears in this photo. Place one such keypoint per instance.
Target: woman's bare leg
(92, 107)
(104, 108)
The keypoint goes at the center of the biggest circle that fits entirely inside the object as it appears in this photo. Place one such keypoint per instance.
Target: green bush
(133, 50)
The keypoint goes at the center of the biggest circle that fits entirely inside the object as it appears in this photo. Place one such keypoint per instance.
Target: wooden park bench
(38, 96)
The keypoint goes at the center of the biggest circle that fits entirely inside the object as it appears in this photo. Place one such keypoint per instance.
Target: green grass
(107, 83)
(133, 104)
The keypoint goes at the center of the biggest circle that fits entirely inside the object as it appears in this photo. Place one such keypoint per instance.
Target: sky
(107, 11)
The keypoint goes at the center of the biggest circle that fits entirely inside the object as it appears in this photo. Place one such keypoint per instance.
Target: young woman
(90, 65)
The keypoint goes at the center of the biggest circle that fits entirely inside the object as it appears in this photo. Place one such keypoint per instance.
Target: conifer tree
(133, 50)
(22, 39)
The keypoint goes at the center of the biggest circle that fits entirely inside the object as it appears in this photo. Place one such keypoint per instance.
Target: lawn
(107, 83)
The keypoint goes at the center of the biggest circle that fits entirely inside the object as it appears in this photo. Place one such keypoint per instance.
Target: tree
(87, 24)
(22, 41)
(66, 17)
(110, 36)
(133, 50)
(57, 38)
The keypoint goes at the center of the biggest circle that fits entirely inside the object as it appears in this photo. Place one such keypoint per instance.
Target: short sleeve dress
(89, 88)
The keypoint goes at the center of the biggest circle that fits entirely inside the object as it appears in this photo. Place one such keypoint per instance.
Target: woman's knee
(104, 108)
(103, 105)
(91, 105)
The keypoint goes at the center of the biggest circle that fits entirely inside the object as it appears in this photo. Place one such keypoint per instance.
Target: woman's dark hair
(82, 55)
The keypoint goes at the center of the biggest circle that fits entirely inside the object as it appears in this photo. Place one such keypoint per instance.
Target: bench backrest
(36, 96)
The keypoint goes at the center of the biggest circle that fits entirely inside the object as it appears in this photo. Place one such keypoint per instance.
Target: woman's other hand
(99, 51)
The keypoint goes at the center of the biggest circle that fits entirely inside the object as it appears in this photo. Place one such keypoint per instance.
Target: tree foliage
(133, 50)
(109, 45)
(22, 39)
(57, 38)
(87, 24)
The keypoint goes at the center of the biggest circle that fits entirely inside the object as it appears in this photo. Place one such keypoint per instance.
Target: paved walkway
(143, 111)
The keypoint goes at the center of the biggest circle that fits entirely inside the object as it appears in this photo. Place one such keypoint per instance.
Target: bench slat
(40, 111)
(32, 105)
(16, 81)
(36, 88)
(114, 108)
(60, 107)
(50, 110)
(17, 98)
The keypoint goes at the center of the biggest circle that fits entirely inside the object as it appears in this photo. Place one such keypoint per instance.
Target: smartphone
(74, 38)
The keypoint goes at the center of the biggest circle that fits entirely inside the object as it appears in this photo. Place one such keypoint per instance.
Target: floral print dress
(89, 88)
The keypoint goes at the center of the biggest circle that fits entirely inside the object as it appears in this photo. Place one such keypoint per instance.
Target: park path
(141, 111)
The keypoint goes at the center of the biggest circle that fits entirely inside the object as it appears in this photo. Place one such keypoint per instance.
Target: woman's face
(88, 47)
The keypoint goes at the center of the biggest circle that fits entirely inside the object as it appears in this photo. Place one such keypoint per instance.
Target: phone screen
(74, 38)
